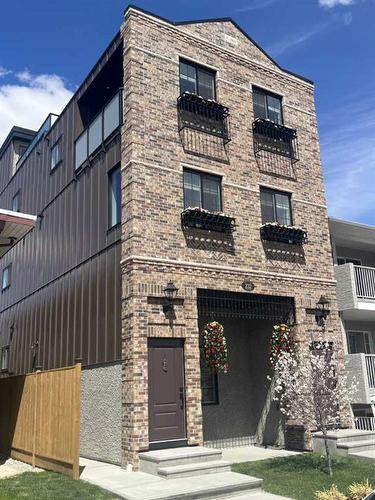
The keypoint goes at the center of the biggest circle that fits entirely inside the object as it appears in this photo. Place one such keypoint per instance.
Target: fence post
(76, 418)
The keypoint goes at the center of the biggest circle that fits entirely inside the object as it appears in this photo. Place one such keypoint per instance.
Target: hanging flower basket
(282, 340)
(215, 347)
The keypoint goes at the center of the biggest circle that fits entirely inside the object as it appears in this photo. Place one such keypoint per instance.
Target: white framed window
(55, 155)
(359, 342)
(5, 279)
(4, 358)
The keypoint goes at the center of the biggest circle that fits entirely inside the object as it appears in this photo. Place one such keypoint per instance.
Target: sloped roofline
(218, 20)
(16, 132)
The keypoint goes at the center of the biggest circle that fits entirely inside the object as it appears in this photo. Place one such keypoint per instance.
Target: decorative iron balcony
(203, 115)
(275, 138)
(293, 235)
(198, 218)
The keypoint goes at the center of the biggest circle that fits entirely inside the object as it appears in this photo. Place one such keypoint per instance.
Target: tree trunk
(328, 454)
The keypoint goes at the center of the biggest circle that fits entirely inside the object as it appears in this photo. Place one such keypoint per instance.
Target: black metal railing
(194, 218)
(275, 138)
(283, 234)
(203, 115)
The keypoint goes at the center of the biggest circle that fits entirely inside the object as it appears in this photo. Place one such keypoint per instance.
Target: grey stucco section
(346, 290)
(356, 370)
(245, 404)
(101, 413)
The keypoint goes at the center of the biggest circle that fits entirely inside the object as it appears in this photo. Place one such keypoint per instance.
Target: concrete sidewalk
(142, 486)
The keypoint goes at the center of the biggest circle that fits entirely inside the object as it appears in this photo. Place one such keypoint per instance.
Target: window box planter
(203, 115)
(198, 218)
(275, 138)
(293, 235)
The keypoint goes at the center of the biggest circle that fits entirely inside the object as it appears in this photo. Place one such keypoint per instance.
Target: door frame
(168, 342)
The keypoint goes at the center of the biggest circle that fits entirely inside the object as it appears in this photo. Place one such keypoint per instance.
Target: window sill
(113, 228)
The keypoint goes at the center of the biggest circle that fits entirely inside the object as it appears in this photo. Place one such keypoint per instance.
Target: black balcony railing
(283, 234)
(275, 138)
(203, 115)
(196, 218)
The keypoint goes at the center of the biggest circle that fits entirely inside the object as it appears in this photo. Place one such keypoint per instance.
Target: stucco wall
(346, 295)
(245, 407)
(356, 370)
(101, 413)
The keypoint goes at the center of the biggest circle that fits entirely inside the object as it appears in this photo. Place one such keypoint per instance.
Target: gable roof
(219, 20)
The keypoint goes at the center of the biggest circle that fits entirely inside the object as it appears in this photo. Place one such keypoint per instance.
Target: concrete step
(151, 461)
(209, 486)
(197, 469)
(351, 435)
(258, 495)
(356, 446)
(366, 456)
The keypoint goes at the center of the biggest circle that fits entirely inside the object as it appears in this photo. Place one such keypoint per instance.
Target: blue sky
(46, 51)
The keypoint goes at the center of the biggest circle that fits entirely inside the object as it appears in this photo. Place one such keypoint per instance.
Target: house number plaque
(248, 285)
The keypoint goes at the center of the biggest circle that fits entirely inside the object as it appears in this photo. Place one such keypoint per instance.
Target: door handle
(182, 398)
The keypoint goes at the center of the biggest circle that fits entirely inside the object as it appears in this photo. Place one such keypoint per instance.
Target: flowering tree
(308, 389)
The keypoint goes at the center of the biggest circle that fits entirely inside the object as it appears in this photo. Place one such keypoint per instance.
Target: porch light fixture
(322, 310)
(170, 293)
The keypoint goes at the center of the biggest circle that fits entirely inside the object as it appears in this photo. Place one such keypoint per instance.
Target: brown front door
(166, 390)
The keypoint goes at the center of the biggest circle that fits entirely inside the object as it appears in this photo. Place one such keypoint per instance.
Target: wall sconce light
(170, 293)
(322, 311)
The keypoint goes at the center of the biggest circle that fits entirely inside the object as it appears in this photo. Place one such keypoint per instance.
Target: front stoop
(345, 441)
(193, 473)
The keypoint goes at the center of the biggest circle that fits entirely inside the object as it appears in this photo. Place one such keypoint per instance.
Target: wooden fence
(40, 418)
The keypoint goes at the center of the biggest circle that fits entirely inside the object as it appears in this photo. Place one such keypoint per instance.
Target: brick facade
(154, 247)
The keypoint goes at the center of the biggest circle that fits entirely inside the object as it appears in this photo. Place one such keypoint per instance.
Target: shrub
(358, 491)
(331, 494)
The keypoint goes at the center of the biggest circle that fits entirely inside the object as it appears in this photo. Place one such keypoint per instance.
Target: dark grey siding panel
(66, 286)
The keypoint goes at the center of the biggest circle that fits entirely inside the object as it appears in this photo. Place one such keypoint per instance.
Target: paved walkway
(139, 485)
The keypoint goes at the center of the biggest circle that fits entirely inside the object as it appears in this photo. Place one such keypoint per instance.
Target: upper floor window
(5, 280)
(55, 157)
(114, 192)
(197, 80)
(4, 358)
(275, 206)
(202, 190)
(100, 128)
(267, 106)
(348, 260)
(16, 205)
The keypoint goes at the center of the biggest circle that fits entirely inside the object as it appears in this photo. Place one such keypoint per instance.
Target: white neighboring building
(353, 247)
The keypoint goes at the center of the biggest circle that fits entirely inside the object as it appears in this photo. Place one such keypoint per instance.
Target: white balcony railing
(365, 282)
(365, 423)
(370, 369)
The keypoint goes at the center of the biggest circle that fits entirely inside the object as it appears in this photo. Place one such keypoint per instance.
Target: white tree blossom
(310, 389)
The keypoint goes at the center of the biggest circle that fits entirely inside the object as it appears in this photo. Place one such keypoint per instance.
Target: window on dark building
(197, 80)
(16, 202)
(5, 280)
(202, 190)
(55, 155)
(275, 206)
(114, 196)
(267, 106)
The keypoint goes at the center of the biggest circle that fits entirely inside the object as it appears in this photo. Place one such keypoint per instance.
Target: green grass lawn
(300, 476)
(49, 486)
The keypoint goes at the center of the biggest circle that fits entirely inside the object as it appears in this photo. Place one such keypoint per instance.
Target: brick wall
(155, 249)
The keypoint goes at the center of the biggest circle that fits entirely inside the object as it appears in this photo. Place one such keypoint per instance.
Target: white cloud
(348, 152)
(27, 101)
(256, 4)
(334, 3)
(280, 47)
(4, 71)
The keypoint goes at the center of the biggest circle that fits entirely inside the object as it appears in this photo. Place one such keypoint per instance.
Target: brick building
(181, 116)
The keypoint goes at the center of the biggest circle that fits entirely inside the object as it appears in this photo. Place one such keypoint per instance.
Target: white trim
(312, 203)
(196, 61)
(234, 84)
(275, 188)
(150, 53)
(266, 89)
(238, 186)
(201, 169)
(274, 69)
(227, 269)
(310, 113)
